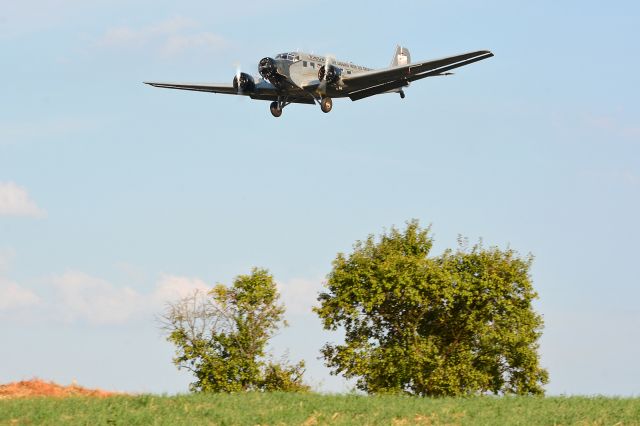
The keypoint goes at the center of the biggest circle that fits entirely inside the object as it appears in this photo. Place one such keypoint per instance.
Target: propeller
(323, 73)
(237, 79)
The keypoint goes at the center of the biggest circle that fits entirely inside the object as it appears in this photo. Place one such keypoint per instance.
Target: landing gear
(277, 106)
(276, 110)
(326, 104)
(402, 95)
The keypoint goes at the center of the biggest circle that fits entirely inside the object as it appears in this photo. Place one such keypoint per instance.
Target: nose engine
(267, 68)
(331, 74)
(243, 82)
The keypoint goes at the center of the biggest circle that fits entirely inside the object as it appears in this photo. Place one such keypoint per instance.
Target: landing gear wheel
(326, 104)
(402, 95)
(276, 111)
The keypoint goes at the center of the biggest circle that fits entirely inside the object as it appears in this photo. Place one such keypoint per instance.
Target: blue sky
(115, 196)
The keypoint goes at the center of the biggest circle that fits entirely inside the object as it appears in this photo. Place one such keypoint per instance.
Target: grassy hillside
(313, 409)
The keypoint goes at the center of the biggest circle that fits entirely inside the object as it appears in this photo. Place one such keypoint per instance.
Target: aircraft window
(288, 56)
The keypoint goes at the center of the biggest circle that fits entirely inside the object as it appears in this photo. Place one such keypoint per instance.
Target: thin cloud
(171, 37)
(15, 201)
(78, 297)
(299, 295)
(179, 43)
(127, 36)
(172, 288)
(81, 297)
(13, 296)
(631, 178)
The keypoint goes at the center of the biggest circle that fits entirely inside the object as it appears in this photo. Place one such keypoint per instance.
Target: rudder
(401, 57)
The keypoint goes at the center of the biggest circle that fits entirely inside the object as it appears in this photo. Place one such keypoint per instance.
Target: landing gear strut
(326, 104)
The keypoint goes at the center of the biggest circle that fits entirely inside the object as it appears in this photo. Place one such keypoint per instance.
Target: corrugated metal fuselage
(302, 70)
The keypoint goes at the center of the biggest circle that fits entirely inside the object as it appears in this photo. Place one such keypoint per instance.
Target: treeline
(460, 323)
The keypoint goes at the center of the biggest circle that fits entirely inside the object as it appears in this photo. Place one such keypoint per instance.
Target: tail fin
(401, 57)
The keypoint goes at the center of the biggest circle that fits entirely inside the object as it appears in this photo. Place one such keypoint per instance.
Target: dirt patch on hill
(36, 388)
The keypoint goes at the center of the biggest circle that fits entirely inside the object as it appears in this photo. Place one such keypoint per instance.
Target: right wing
(371, 83)
(263, 91)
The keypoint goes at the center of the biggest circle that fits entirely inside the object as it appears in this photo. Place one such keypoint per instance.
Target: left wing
(262, 91)
(212, 88)
(371, 83)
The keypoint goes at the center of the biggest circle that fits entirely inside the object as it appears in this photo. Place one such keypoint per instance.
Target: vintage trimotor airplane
(308, 79)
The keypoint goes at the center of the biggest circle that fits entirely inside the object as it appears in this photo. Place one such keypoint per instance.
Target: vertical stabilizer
(401, 57)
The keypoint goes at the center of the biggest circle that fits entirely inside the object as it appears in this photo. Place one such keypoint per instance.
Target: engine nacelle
(243, 82)
(330, 74)
(267, 68)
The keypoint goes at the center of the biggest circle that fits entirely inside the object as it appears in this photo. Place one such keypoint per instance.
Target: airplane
(305, 78)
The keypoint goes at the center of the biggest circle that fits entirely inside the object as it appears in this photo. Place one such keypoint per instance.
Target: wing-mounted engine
(329, 73)
(243, 82)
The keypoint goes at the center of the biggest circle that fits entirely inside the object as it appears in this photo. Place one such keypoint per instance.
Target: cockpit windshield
(288, 56)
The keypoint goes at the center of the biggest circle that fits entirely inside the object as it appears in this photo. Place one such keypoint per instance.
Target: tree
(456, 324)
(221, 337)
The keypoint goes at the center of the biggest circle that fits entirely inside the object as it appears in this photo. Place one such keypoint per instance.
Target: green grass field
(314, 409)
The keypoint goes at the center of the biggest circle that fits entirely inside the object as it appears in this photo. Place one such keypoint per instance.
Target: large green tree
(221, 337)
(460, 323)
